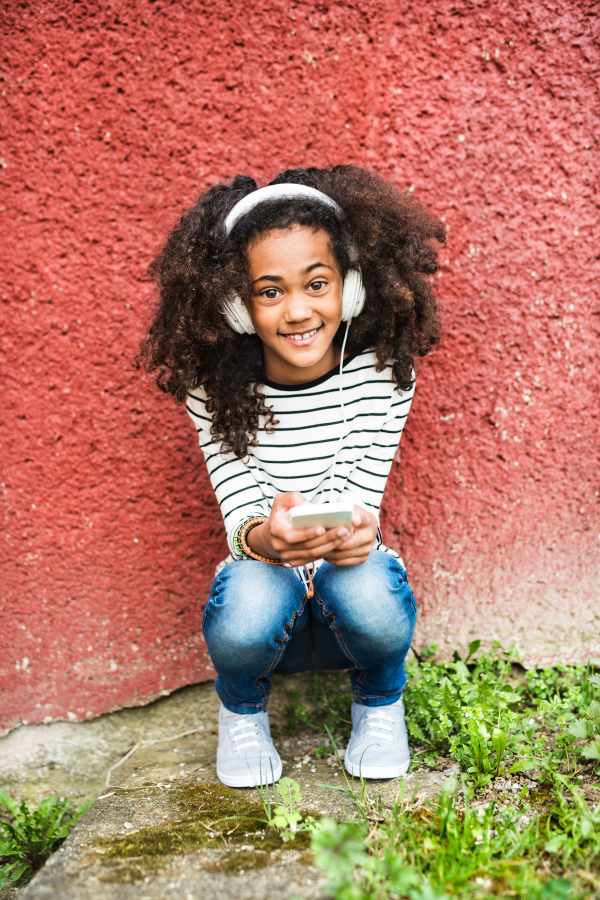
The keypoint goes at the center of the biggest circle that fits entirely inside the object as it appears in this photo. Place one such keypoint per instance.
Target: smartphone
(329, 515)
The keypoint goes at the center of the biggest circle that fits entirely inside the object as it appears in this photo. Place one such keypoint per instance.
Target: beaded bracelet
(241, 545)
(236, 542)
(239, 540)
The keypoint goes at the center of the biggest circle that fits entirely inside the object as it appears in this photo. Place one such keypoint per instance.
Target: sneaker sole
(249, 780)
(376, 771)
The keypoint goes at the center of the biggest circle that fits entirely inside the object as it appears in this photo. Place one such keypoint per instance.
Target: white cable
(343, 434)
(303, 577)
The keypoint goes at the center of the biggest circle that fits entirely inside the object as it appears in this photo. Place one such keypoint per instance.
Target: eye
(317, 285)
(270, 294)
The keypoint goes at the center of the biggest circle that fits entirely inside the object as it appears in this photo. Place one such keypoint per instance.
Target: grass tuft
(28, 837)
(523, 822)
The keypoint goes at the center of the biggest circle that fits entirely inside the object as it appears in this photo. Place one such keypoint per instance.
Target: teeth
(303, 337)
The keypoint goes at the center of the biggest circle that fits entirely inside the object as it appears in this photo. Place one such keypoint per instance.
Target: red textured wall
(115, 115)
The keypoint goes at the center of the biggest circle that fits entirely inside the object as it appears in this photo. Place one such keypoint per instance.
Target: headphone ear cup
(353, 295)
(236, 314)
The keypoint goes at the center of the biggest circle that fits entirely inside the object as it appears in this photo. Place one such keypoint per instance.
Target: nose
(298, 308)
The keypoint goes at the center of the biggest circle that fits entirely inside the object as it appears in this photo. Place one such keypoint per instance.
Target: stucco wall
(115, 116)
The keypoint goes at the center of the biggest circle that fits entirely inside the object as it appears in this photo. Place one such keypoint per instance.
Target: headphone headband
(276, 192)
(353, 294)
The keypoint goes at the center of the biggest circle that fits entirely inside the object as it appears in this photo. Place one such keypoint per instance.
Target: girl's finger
(353, 561)
(298, 535)
(357, 543)
(296, 553)
(334, 535)
(322, 537)
(350, 552)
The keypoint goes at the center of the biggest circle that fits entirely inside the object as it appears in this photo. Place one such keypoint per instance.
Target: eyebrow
(304, 272)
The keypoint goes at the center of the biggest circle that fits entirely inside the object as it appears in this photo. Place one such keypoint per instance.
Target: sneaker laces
(376, 726)
(244, 734)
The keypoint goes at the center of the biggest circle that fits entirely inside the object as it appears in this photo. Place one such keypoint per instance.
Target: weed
(339, 849)
(282, 815)
(588, 726)
(480, 840)
(563, 681)
(297, 716)
(542, 845)
(31, 836)
(469, 709)
(330, 698)
(441, 852)
(574, 828)
(323, 750)
(334, 701)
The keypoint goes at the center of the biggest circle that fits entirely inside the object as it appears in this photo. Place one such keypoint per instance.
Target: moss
(541, 801)
(165, 840)
(127, 874)
(237, 861)
(214, 816)
(219, 801)
(424, 815)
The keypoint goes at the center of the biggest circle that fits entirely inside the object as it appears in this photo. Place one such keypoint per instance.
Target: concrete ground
(161, 798)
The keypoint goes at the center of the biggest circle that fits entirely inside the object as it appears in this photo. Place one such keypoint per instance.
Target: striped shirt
(299, 454)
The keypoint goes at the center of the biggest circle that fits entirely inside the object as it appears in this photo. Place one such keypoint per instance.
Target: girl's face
(296, 304)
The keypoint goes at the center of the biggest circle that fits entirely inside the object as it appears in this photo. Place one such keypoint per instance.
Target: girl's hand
(356, 549)
(276, 539)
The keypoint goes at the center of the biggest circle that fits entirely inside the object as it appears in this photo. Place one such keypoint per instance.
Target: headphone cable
(343, 433)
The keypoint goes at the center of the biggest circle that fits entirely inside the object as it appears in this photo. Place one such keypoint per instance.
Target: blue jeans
(259, 620)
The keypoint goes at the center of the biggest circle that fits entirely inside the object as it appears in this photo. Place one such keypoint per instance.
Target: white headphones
(353, 294)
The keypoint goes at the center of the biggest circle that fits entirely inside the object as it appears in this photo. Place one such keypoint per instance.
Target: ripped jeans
(259, 620)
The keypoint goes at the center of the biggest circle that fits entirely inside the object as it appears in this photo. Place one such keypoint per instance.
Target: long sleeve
(367, 479)
(238, 493)
(315, 448)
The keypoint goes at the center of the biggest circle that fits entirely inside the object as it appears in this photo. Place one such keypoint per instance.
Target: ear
(237, 315)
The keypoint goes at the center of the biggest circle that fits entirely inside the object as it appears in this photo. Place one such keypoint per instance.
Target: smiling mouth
(302, 338)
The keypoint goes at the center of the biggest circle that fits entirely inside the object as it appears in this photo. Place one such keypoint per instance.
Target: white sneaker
(378, 746)
(246, 756)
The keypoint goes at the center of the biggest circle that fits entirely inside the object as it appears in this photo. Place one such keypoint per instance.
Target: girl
(289, 319)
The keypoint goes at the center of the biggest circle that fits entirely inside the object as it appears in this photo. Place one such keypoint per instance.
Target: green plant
(420, 852)
(332, 700)
(322, 751)
(32, 835)
(468, 708)
(587, 727)
(281, 814)
(573, 828)
(285, 816)
(483, 711)
(297, 715)
(340, 850)
(560, 680)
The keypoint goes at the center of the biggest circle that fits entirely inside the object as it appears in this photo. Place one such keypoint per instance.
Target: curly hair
(384, 231)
